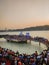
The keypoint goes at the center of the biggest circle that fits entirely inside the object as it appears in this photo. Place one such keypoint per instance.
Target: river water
(28, 48)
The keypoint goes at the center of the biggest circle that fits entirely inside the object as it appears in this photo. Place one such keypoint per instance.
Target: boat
(21, 38)
(16, 39)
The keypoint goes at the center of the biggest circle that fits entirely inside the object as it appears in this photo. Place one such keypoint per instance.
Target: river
(28, 48)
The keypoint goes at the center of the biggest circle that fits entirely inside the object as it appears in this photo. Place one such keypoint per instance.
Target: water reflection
(28, 48)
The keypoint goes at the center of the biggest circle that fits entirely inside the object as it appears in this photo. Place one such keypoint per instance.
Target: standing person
(36, 53)
(3, 62)
(15, 61)
(33, 63)
(19, 62)
(48, 59)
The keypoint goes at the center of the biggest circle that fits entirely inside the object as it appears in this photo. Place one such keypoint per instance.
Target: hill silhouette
(37, 28)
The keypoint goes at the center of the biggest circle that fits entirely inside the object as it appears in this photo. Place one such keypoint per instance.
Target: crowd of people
(9, 57)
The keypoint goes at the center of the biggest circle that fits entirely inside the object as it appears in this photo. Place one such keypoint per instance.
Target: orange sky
(15, 25)
(23, 13)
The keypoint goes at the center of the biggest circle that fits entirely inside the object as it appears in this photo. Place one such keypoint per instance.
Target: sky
(16, 14)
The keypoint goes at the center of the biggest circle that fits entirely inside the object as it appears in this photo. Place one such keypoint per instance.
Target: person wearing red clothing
(19, 63)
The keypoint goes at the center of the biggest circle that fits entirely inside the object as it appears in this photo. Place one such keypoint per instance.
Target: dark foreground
(9, 57)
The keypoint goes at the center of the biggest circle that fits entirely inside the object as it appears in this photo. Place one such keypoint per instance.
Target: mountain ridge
(36, 28)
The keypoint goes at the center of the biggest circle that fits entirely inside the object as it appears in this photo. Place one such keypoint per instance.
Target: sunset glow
(16, 14)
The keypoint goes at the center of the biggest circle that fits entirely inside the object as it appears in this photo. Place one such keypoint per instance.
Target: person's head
(35, 51)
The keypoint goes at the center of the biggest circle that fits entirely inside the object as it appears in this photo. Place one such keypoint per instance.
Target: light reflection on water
(25, 48)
